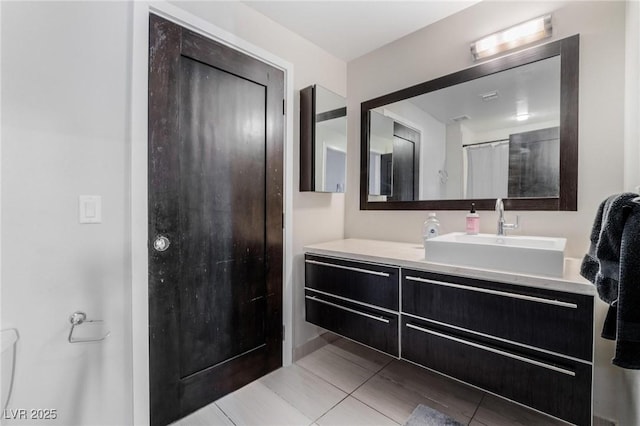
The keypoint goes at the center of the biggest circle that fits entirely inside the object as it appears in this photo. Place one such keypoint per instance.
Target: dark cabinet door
(546, 319)
(534, 163)
(554, 385)
(386, 173)
(372, 327)
(215, 195)
(403, 175)
(363, 282)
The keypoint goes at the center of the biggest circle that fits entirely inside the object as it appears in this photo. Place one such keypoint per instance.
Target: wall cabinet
(530, 345)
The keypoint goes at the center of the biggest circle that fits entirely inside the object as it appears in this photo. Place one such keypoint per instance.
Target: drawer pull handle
(356, 302)
(497, 292)
(344, 308)
(349, 268)
(497, 351)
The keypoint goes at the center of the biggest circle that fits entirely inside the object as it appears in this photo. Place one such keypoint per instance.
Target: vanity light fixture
(510, 38)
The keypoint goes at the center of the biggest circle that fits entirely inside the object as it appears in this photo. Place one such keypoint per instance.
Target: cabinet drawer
(551, 384)
(551, 320)
(374, 328)
(363, 282)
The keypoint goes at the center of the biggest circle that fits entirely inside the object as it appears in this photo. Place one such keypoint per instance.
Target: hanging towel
(613, 265)
(601, 265)
(628, 305)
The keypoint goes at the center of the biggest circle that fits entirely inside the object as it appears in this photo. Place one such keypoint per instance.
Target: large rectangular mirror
(323, 140)
(507, 128)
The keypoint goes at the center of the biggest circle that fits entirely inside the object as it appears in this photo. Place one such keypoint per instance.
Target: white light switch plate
(90, 209)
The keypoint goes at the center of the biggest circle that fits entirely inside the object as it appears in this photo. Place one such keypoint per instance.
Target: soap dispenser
(473, 221)
(431, 227)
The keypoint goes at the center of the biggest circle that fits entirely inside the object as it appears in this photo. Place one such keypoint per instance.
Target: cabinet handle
(349, 268)
(497, 351)
(344, 308)
(497, 292)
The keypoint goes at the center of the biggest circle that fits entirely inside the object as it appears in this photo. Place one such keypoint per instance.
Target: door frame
(139, 183)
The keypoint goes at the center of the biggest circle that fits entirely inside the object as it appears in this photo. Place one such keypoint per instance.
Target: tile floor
(344, 383)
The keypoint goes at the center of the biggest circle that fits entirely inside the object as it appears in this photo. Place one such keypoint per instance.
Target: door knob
(161, 243)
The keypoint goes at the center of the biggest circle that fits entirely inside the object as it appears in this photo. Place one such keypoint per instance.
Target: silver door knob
(161, 243)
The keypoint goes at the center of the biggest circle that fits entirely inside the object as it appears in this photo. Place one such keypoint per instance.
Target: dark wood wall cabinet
(323, 140)
(530, 345)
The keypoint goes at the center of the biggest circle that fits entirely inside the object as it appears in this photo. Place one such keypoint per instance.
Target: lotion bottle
(473, 221)
(431, 227)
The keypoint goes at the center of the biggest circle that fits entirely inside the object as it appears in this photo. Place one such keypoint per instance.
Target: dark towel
(601, 265)
(628, 305)
(613, 265)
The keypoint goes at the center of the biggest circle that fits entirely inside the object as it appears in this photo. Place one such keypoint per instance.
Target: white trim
(138, 173)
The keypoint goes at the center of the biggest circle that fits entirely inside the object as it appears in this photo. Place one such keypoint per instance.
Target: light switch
(90, 209)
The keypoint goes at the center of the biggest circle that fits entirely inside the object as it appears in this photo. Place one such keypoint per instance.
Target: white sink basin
(512, 253)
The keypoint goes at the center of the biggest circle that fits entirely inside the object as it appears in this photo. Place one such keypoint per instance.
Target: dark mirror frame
(568, 49)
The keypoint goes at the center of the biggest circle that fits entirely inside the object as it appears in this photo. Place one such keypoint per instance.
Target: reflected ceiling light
(516, 36)
(490, 96)
(522, 117)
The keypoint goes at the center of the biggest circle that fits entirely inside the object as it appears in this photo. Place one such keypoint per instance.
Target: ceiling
(350, 29)
(532, 89)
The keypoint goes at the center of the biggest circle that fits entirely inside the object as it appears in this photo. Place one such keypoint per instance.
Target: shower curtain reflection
(487, 170)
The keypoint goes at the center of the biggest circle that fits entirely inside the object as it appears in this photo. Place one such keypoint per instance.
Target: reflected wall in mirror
(506, 129)
(323, 140)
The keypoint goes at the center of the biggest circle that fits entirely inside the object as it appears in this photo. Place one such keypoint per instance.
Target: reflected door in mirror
(534, 163)
(394, 160)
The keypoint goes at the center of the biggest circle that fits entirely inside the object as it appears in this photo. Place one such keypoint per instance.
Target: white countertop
(409, 255)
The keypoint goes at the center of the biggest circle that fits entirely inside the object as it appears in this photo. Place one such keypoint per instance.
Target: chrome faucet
(502, 224)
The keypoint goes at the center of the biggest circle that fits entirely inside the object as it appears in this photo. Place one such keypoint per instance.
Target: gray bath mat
(427, 416)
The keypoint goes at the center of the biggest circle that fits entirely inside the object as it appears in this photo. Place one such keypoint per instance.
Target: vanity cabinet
(549, 320)
(528, 339)
(533, 346)
(354, 299)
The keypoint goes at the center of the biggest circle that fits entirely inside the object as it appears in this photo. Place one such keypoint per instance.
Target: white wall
(443, 48)
(65, 129)
(456, 136)
(65, 104)
(632, 98)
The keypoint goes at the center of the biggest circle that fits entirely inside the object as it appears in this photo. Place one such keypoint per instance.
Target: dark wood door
(406, 163)
(386, 174)
(534, 163)
(215, 193)
(403, 159)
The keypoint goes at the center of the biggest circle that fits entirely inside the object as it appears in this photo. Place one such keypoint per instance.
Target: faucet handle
(513, 225)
